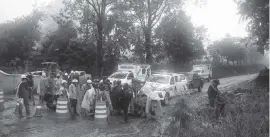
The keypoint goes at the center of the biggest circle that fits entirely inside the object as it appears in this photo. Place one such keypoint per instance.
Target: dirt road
(46, 126)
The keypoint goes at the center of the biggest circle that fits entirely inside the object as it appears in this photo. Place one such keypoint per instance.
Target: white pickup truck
(127, 72)
(203, 70)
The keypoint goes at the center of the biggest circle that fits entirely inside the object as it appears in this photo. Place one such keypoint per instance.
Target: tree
(19, 37)
(229, 49)
(148, 13)
(256, 12)
(182, 41)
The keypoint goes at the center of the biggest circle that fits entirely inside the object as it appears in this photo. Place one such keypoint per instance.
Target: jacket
(73, 91)
(23, 91)
(88, 99)
(212, 93)
(43, 86)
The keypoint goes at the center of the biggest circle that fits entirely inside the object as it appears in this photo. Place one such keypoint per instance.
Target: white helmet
(74, 80)
(63, 82)
(23, 76)
(43, 74)
(66, 74)
(89, 81)
(58, 75)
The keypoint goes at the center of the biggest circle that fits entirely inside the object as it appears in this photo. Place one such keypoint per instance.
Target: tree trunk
(99, 49)
(148, 48)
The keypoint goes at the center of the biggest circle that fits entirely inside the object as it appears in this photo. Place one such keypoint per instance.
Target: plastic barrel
(62, 108)
(101, 112)
(1, 100)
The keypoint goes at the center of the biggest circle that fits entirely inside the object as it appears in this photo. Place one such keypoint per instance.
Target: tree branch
(93, 5)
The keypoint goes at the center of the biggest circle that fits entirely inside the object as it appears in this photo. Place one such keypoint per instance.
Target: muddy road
(49, 126)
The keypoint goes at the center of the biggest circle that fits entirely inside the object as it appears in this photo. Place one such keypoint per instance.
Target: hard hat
(74, 80)
(89, 81)
(58, 74)
(72, 71)
(66, 74)
(43, 74)
(23, 76)
(63, 81)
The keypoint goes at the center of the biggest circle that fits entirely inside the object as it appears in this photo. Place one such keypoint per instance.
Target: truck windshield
(119, 75)
(159, 79)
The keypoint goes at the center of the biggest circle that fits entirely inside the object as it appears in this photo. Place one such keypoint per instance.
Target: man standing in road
(125, 97)
(43, 84)
(213, 92)
(23, 93)
(116, 91)
(73, 95)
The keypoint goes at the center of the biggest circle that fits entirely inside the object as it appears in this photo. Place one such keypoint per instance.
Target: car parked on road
(194, 81)
(165, 85)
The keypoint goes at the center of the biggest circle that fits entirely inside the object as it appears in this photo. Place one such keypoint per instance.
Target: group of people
(82, 98)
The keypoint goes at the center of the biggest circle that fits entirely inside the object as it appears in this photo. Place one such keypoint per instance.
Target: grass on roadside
(246, 116)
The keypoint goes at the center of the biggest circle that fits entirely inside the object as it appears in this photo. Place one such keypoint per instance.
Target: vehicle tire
(200, 89)
(165, 102)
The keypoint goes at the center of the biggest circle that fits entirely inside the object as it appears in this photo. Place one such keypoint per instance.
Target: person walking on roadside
(88, 102)
(23, 93)
(125, 97)
(116, 91)
(216, 99)
(43, 89)
(213, 92)
(105, 88)
(73, 95)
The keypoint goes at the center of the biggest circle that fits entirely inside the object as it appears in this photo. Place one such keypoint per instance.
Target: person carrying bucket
(88, 103)
(23, 94)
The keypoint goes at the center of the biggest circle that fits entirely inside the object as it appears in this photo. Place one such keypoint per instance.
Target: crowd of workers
(118, 97)
(81, 98)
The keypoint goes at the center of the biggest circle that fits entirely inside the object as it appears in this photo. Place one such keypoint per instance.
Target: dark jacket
(23, 90)
(212, 93)
(117, 90)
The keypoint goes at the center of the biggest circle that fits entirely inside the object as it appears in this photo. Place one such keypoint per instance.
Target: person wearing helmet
(73, 95)
(23, 93)
(213, 92)
(42, 87)
(58, 82)
(124, 100)
(88, 99)
(116, 91)
(30, 82)
(63, 89)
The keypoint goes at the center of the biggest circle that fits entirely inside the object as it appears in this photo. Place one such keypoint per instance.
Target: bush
(246, 116)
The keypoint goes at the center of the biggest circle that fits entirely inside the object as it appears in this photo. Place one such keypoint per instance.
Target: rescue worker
(63, 89)
(85, 87)
(116, 91)
(216, 99)
(43, 89)
(88, 103)
(30, 82)
(73, 95)
(125, 97)
(105, 89)
(58, 82)
(23, 93)
(213, 92)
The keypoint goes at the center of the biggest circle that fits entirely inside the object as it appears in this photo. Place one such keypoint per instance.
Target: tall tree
(182, 41)
(19, 37)
(148, 14)
(256, 12)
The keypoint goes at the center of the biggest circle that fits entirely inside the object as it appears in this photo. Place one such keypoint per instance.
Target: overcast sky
(218, 16)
